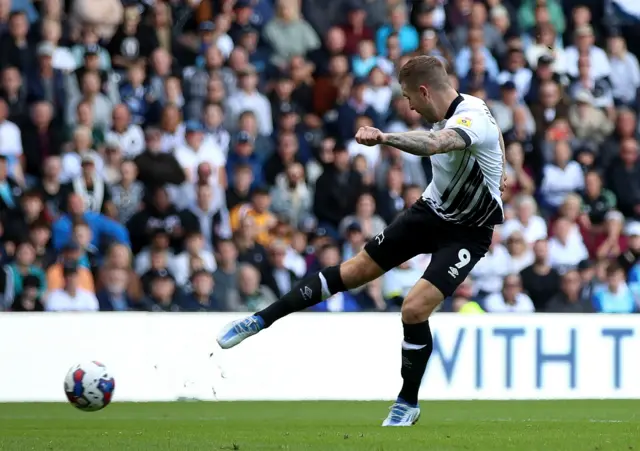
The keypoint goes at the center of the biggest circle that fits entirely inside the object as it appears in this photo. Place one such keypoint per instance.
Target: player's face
(420, 101)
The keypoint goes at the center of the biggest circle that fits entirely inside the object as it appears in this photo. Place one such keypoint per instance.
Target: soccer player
(453, 221)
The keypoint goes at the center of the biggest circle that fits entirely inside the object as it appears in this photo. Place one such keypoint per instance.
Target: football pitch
(244, 426)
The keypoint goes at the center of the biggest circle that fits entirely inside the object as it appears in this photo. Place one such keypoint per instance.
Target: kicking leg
(308, 292)
(417, 346)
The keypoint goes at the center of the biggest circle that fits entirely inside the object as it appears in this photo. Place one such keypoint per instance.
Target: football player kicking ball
(453, 221)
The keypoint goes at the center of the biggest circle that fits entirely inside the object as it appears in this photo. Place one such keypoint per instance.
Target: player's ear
(424, 91)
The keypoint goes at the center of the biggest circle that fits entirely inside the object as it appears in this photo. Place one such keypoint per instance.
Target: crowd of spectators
(198, 155)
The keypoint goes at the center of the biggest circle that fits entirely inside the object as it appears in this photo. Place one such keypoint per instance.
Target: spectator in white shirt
(584, 44)
(370, 153)
(511, 299)
(71, 298)
(492, 268)
(248, 98)
(566, 249)
(197, 150)
(561, 177)
(625, 71)
(10, 139)
(532, 226)
(129, 137)
(194, 247)
(517, 72)
(520, 254)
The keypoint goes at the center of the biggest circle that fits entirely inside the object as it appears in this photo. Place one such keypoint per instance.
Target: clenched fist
(370, 136)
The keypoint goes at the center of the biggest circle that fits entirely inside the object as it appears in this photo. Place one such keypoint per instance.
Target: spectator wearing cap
(527, 14)
(128, 136)
(45, 82)
(72, 297)
(288, 33)
(291, 197)
(515, 70)
(615, 296)
(31, 298)
(132, 41)
(504, 112)
(196, 150)
(631, 256)
(243, 155)
(89, 44)
(407, 34)
(568, 300)
(155, 167)
(103, 229)
(248, 98)
(356, 29)
(24, 266)
(215, 33)
(249, 40)
(164, 295)
(348, 113)
(623, 178)
(15, 48)
(201, 298)
(337, 191)
(590, 124)
(585, 46)
(91, 188)
(544, 72)
(625, 72)
(258, 210)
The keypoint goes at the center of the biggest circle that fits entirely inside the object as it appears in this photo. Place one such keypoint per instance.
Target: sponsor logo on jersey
(464, 121)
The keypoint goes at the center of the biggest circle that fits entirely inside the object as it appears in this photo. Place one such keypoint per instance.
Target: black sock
(306, 293)
(416, 350)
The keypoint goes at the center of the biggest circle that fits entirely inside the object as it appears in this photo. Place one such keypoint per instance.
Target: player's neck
(444, 101)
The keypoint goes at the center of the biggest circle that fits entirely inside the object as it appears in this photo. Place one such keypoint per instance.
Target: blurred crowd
(198, 155)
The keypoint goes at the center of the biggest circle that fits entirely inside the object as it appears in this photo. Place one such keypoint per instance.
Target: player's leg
(387, 250)
(449, 266)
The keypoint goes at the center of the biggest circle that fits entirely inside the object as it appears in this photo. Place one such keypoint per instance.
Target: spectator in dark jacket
(349, 111)
(114, 297)
(46, 83)
(15, 48)
(41, 137)
(568, 299)
(156, 168)
(201, 299)
(164, 296)
(337, 190)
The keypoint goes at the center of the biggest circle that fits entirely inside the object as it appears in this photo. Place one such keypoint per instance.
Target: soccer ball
(89, 386)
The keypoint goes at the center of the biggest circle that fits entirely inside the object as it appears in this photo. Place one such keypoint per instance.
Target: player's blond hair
(424, 70)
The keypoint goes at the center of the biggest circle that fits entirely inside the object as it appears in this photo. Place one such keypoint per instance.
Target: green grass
(475, 425)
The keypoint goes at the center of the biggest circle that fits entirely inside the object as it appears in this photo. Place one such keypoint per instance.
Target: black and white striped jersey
(465, 188)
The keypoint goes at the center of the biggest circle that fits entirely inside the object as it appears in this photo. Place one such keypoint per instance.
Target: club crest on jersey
(464, 121)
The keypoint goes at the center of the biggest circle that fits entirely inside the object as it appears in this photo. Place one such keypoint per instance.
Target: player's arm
(427, 143)
(503, 181)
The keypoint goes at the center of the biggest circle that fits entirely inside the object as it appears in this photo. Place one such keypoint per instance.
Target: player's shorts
(455, 248)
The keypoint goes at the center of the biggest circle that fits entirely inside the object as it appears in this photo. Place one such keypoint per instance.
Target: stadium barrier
(165, 357)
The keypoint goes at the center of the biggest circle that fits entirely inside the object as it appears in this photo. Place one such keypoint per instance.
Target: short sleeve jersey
(465, 188)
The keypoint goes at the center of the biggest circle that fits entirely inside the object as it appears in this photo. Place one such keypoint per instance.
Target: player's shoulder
(471, 104)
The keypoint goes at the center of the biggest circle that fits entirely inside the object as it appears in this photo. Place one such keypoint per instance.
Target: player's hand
(503, 182)
(370, 136)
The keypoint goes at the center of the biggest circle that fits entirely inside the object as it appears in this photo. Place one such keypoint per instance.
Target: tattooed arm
(503, 182)
(427, 143)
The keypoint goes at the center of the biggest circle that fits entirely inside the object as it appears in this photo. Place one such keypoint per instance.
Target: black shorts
(455, 248)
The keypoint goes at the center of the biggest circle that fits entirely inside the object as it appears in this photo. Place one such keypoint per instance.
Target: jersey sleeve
(470, 125)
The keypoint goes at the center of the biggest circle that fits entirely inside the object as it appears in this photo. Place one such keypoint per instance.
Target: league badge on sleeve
(464, 121)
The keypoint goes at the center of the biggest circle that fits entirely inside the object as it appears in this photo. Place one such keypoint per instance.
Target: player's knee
(359, 270)
(421, 301)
